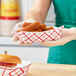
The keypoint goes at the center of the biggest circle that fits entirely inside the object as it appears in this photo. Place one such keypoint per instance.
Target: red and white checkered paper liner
(30, 37)
(19, 70)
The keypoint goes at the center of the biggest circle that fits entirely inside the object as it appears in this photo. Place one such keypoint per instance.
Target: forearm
(35, 15)
(39, 10)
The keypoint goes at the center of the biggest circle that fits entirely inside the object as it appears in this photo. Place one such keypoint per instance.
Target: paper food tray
(19, 70)
(30, 37)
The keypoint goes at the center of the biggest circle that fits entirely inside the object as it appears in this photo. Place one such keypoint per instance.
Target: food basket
(31, 37)
(19, 70)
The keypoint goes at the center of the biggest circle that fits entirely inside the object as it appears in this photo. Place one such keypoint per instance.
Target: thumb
(62, 41)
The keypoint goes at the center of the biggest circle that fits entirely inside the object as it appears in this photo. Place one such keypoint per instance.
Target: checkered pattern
(21, 71)
(30, 37)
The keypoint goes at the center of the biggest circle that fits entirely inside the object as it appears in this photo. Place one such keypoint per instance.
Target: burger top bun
(9, 59)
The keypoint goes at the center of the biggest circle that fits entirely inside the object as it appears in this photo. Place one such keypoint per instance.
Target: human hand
(17, 27)
(67, 35)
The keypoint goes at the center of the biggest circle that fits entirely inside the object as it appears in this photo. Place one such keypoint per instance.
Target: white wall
(23, 5)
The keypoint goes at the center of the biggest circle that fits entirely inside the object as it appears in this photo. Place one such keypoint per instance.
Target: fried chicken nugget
(43, 27)
(21, 30)
(49, 28)
(38, 30)
(32, 27)
(25, 24)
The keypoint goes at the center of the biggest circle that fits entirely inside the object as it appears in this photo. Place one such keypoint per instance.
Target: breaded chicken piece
(49, 28)
(25, 24)
(43, 27)
(32, 27)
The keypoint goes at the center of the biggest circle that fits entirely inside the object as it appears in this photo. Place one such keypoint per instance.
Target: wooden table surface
(43, 69)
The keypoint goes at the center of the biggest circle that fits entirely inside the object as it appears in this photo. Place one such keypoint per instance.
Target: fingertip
(15, 38)
(21, 43)
(41, 42)
(27, 44)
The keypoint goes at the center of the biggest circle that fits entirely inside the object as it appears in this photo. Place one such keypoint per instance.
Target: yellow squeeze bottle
(10, 15)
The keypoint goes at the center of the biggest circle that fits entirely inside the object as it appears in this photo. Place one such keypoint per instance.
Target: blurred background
(12, 12)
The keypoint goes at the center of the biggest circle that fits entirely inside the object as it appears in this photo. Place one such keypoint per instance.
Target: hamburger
(9, 60)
